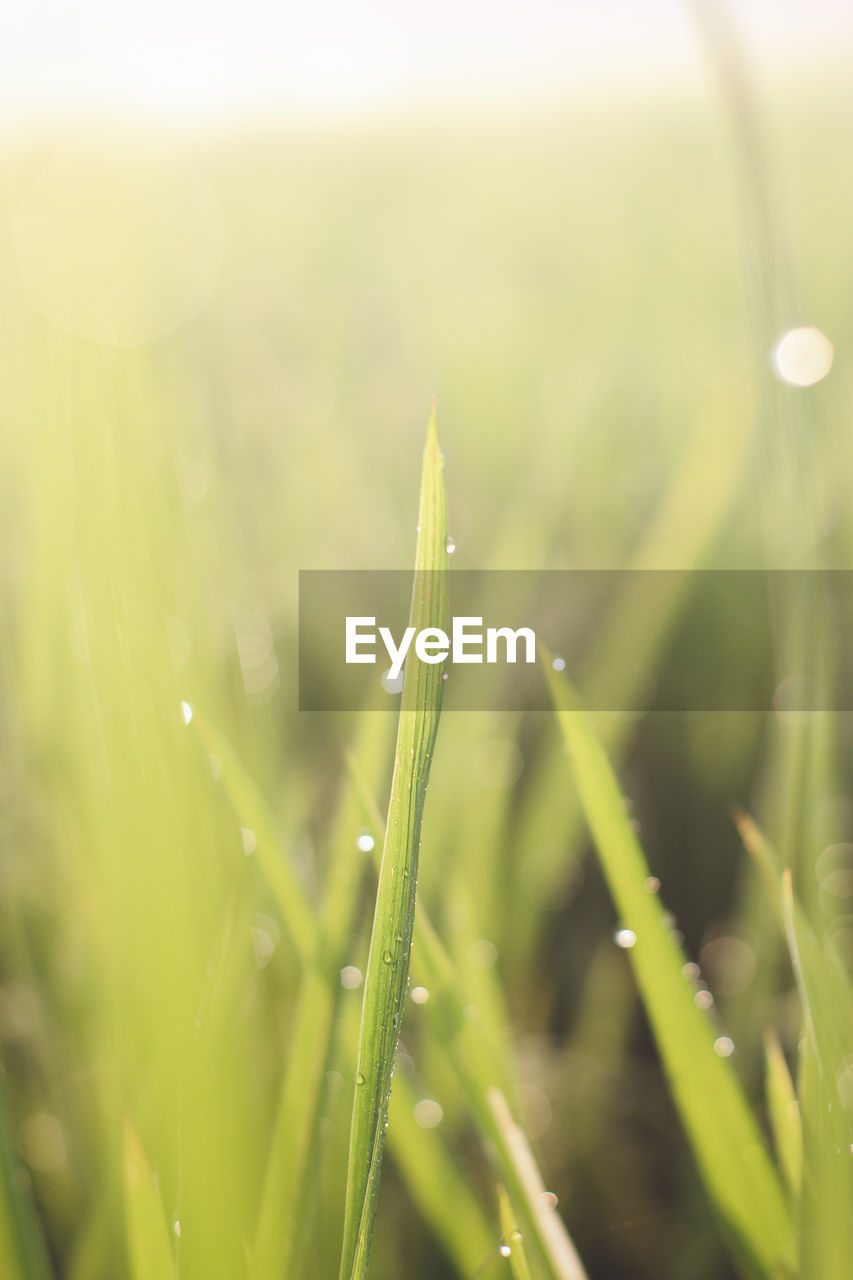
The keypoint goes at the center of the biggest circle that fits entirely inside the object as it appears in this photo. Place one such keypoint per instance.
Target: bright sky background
(250, 57)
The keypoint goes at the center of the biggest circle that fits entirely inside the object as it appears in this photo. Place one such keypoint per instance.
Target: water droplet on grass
(365, 842)
(186, 712)
(625, 938)
(450, 545)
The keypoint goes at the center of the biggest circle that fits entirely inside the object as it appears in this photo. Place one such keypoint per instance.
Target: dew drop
(359, 1079)
(548, 1199)
(652, 884)
(387, 956)
(703, 999)
(558, 664)
(420, 995)
(450, 545)
(724, 1047)
(504, 1250)
(365, 842)
(625, 938)
(186, 712)
(176, 1227)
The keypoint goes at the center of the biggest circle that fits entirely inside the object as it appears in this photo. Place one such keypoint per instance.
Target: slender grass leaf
(279, 872)
(390, 941)
(725, 1137)
(149, 1245)
(287, 1183)
(23, 1255)
(550, 1229)
(784, 1112)
(512, 1245)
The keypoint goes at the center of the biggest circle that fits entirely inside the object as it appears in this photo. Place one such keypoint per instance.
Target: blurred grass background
(231, 384)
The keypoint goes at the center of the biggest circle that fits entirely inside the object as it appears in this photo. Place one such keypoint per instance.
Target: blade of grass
(287, 1182)
(547, 1223)
(279, 872)
(784, 1112)
(725, 1137)
(390, 940)
(824, 1132)
(149, 1245)
(23, 1255)
(512, 1239)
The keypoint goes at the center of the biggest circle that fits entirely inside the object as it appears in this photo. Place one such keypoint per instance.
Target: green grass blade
(481, 1073)
(725, 1137)
(528, 1189)
(149, 1245)
(784, 1112)
(390, 941)
(512, 1239)
(288, 1178)
(278, 870)
(23, 1255)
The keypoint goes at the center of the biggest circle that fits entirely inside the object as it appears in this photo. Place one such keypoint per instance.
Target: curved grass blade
(246, 797)
(149, 1245)
(513, 1240)
(784, 1112)
(390, 941)
(725, 1137)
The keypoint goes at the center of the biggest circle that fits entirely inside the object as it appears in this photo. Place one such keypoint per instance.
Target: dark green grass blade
(23, 1255)
(390, 942)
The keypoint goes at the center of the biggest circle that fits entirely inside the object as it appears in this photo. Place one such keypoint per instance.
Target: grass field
(217, 359)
